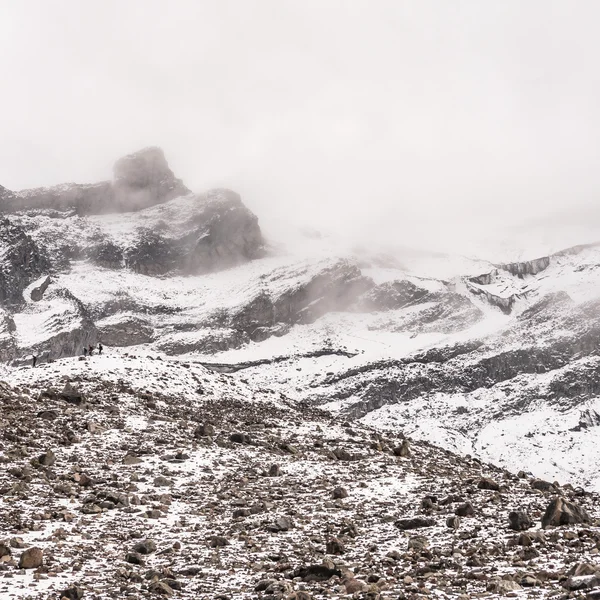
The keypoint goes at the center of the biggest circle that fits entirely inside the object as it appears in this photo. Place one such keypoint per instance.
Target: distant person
(33, 360)
(84, 351)
(90, 349)
(100, 348)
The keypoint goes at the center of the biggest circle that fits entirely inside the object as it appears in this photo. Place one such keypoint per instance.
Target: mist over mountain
(299, 300)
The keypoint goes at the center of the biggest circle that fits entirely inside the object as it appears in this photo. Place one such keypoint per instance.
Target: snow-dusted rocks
(196, 514)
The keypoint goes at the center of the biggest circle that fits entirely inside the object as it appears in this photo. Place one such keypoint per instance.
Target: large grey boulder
(562, 512)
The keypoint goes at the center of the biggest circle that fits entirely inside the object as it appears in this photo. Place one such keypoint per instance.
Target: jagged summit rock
(141, 179)
(144, 179)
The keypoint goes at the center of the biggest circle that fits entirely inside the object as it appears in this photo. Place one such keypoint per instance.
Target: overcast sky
(406, 117)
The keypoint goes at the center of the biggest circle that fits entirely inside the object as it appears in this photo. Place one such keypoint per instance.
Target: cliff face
(529, 267)
(22, 262)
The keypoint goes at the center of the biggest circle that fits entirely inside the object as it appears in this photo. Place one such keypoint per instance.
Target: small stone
(335, 546)
(162, 481)
(339, 493)
(414, 523)
(134, 558)
(145, 547)
(418, 543)
(204, 430)
(47, 459)
(465, 510)
(72, 593)
(217, 541)
(403, 450)
(274, 471)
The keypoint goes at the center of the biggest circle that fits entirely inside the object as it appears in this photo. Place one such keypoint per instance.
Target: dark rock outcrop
(528, 267)
(227, 235)
(144, 179)
(37, 293)
(22, 263)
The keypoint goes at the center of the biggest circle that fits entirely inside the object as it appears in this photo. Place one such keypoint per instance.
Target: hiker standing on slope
(100, 348)
(33, 360)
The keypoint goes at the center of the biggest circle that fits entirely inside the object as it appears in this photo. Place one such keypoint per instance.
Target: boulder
(562, 512)
(414, 523)
(31, 558)
(519, 520)
(37, 293)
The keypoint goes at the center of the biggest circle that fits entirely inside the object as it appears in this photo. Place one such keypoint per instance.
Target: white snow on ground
(43, 320)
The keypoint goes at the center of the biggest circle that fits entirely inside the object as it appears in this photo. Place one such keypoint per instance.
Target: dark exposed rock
(335, 546)
(562, 512)
(218, 541)
(134, 558)
(281, 524)
(145, 547)
(106, 254)
(317, 573)
(488, 484)
(37, 293)
(204, 430)
(339, 493)
(465, 510)
(391, 295)
(73, 592)
(414, 523)
(240, 438)
(229, 235)
(543, 486)
(519, 520)
(143, 179)
(403, 450)
(22, 262)
(47, 459)
(529, 267)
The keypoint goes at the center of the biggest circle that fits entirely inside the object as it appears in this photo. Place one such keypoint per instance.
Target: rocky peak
(141, 179)
(144, 179)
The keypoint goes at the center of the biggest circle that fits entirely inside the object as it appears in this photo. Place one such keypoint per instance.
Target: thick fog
(421, 122)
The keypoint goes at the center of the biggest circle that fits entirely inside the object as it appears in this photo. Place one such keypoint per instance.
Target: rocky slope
(138, 477)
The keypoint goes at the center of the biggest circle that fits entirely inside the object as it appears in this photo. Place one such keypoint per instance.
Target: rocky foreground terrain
(136, 476)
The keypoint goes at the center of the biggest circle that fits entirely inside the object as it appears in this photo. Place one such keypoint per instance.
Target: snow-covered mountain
(250, 382)
(495, 359)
